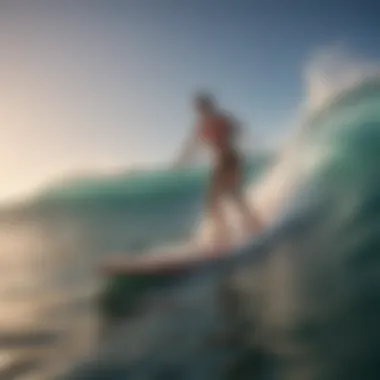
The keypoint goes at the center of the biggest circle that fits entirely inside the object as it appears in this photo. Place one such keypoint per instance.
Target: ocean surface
(53, 244)
(309, 288)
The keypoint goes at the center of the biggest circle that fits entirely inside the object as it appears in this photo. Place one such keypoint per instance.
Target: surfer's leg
(221, 233)
(252, 222)
(234, 179)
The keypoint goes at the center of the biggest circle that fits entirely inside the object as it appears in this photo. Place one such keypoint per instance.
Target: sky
(104, 85)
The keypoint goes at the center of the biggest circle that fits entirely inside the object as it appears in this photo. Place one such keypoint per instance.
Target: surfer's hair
(204, 99)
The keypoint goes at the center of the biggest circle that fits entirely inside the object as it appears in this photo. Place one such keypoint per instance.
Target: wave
(312, 298)
(140, 184)
(319, 287)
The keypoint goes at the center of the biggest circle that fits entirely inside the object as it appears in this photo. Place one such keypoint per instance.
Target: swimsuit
(217, 132)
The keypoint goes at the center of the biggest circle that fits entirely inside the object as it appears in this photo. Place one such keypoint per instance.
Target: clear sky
(102, 84)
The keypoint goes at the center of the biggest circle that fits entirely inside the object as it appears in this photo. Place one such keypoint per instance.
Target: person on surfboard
(218, 131)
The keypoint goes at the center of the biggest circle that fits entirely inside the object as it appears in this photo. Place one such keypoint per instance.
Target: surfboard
(132, 276)
(163, 261)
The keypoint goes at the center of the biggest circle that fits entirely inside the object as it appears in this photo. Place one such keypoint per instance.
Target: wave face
(319, 288)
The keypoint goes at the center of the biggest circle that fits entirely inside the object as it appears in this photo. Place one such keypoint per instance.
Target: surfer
(218, 131)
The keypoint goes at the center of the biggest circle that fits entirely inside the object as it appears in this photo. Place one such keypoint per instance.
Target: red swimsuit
(216, 131)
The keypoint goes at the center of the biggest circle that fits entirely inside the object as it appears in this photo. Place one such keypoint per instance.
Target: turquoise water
(313, 290)
(323, 275)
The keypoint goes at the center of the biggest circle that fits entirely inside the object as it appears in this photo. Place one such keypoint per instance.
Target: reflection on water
(44, 320)
(48, 273)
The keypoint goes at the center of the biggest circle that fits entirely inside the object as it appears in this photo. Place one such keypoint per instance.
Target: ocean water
(308, 290)
(53, 244)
